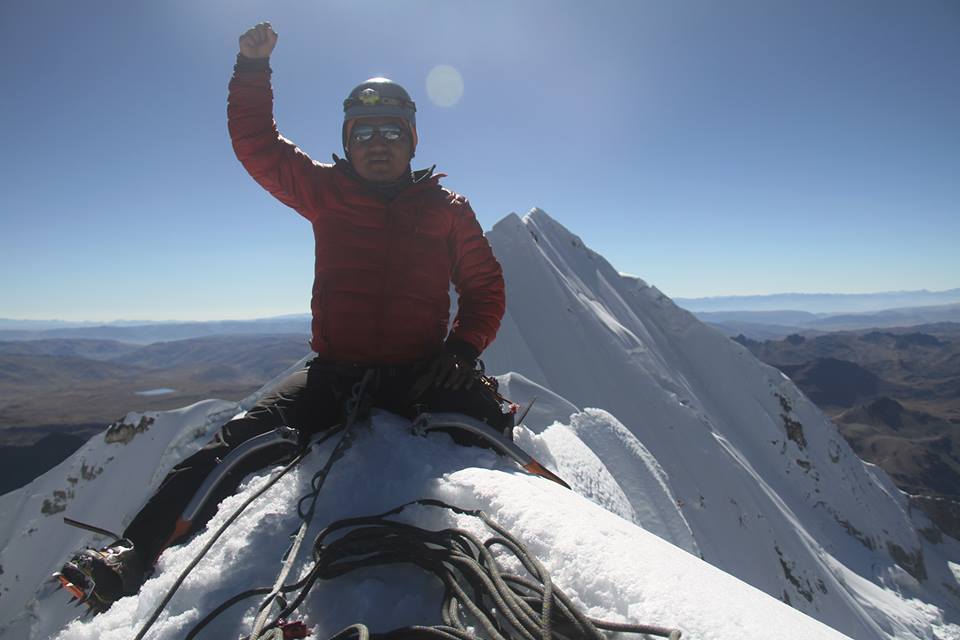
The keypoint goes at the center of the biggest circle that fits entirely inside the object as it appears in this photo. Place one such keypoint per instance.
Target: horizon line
(306, 314)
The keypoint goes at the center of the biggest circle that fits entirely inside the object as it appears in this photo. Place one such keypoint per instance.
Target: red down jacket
(383, 267)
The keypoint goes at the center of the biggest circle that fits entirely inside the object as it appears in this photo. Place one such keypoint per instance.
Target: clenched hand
(259, 41)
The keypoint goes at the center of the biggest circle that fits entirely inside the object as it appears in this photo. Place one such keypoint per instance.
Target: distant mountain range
(828, 303)
(774, 325)
(762, 317)
(150, 332)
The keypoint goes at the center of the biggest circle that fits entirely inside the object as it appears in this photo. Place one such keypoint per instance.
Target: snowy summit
(708, 494)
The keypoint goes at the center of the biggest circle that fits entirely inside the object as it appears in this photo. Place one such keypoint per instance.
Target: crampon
(98, 578)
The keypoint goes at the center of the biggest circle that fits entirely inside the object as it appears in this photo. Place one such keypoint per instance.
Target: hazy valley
(57, 392)
(894, 393)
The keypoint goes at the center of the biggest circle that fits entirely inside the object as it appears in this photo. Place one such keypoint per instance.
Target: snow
(769, 490)
(612, 568)
(707, 491)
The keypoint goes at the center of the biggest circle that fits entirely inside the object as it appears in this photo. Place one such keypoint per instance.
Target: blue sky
(712, 148)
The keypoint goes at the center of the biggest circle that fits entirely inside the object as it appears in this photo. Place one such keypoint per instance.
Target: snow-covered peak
(769, 489)
(679, 446)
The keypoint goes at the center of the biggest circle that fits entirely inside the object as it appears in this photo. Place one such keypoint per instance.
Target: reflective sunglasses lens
(391, 132)
(362, 133)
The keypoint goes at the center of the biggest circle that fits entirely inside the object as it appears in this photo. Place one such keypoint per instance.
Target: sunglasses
(363, 133)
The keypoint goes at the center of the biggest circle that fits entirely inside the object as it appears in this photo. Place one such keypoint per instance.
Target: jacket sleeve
(478, 279)
(272, 160)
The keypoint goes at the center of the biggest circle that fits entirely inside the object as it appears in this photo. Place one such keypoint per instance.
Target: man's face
(378, 159)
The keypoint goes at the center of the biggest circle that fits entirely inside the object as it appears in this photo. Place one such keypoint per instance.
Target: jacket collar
(409, 181)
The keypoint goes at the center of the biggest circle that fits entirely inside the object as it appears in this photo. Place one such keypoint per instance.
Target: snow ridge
(770, 491)
(708, 492)
(609, 566)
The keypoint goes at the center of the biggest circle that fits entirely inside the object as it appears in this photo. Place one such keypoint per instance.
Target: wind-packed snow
(708, 492)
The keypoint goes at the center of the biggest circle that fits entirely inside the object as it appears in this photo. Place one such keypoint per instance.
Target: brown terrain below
(894, 394)
(56, 393)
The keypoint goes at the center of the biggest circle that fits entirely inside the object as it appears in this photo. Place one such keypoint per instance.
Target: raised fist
(259, 41)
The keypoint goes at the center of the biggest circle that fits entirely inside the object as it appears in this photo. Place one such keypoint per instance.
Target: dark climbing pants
(311, 400)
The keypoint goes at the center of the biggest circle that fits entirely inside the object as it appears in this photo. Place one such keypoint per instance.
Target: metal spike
(524, 414)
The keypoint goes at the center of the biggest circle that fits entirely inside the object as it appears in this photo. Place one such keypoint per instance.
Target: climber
(388, 242)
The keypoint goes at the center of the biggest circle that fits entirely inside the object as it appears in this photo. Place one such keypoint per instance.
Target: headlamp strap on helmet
(371, 97)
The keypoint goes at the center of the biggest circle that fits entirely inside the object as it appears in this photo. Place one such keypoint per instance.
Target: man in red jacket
(389, 241)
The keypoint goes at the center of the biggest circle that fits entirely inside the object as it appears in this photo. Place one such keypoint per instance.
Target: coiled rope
(480, 600)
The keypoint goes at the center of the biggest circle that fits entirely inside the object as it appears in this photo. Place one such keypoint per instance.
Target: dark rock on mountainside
(894, 395)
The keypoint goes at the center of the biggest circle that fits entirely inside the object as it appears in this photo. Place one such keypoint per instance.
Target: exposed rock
(89, 473)
(855, 533)
(803, 588)
(123, 432)
(943, 512)
(57, 503)
(793, 428)
(911, 562)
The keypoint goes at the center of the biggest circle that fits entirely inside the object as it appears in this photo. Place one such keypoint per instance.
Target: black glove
(451, 368)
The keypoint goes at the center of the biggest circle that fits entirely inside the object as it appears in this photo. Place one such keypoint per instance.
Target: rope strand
(478, 593)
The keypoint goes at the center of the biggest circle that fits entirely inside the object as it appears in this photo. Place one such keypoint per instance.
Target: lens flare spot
(444, 85)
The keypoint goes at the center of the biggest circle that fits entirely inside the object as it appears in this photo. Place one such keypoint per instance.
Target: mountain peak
(654, 418)
(756, 469)
(539, 219)
(537, 213)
